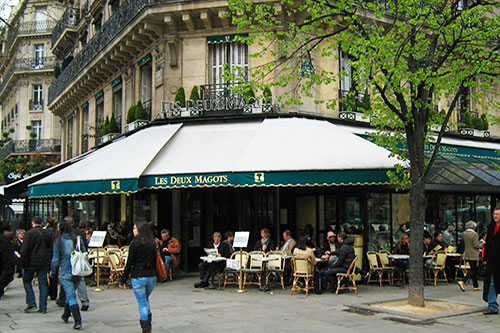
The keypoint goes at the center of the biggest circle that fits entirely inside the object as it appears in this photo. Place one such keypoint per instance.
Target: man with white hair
(471, 254)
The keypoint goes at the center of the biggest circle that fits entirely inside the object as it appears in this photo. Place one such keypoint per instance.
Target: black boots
(146, 326)
(75, 311)
(66, 314)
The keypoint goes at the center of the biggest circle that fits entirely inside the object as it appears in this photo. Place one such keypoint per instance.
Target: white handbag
(80, 265)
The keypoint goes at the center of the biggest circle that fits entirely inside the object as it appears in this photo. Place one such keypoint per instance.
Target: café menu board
(97, 239)
(241, 238)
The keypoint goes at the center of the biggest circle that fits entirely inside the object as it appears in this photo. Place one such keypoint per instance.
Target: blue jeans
(143, 287)
(43, 286)
(492, 296)
(70, 283)
(168, 261)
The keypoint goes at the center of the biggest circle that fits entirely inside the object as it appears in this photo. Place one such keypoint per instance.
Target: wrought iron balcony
(349, 102)
(36, 105)
(69, 19)
(27, 64)
(127, 12)
(27, 28)
(31, 146)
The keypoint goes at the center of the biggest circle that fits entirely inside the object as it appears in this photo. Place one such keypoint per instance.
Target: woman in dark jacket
(141, 263)
(265, 244)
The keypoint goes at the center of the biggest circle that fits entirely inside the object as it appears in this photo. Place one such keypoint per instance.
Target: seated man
(208, 269)
(345, 258)
(170, 249)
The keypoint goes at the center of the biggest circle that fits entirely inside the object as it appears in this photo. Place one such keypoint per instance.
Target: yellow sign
(258, 177)
(115, 184)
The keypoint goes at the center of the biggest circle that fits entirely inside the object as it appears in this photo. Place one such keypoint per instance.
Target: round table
(265, 260)
(400, 257)
(212, 259)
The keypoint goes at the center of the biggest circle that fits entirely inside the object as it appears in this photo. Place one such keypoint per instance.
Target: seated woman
(265, 244)
(403, 245)
(437, 244)
(303, 251)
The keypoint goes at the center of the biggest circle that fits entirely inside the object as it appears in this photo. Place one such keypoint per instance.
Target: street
(178, 307)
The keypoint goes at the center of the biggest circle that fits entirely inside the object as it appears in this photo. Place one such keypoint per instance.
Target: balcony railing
(27, 64)
(27, 28)
(221, 97)
(127, 12)
(350, 103)
(36, 105)
(31, 146)
(70, 18)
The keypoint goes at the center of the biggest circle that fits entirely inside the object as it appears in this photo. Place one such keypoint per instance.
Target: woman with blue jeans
(61, 258)
(141, 263)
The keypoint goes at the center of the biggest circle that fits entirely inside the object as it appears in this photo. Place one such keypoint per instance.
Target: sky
(5, 9)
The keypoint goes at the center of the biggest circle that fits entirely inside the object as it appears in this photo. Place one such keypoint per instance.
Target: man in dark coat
(35, 259)
(7, 263)
(345, 257)
(491, 286)
(210, 268)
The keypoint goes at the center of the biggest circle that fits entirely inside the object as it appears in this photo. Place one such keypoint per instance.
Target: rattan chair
(302, 268)
(437, 266)
(379, 270)
(349, 276)
(463, 268)
(276, 267)
(254, 268)
(235, 273)
(115, 268)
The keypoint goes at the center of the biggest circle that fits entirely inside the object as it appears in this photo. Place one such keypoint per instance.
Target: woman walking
(64, 244)
(141, 263)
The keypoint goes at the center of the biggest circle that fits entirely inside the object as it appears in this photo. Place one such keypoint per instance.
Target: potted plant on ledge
(109, 130)
(194, 97)
(136, 117)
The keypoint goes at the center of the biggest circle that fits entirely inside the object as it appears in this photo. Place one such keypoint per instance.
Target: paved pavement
(178, 307)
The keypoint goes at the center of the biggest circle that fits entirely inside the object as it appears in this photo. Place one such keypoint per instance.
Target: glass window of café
(83, 212)
(141, 208)
(400, 214)
(379, 221)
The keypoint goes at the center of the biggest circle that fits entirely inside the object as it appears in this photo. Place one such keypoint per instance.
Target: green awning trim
(268, 179)
(69, 116)
(116, 81)
(223, 179)
(224, 38)
(144, 59)
(84, 105)
(91, 187)
(99, 94)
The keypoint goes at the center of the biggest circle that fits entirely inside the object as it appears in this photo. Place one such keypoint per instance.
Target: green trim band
(99, 94)
(224, 38)
(144, 59)
(222, 179)
(91, 187)
(116, 81)
(84, 105)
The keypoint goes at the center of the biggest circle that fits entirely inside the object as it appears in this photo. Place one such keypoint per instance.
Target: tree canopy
(419, 61)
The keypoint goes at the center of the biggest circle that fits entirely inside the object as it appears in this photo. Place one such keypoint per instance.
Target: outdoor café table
(403, 258)
(211, 259)
(265, 260)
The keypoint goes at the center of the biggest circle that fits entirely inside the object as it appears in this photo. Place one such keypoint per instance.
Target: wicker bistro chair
(235, 273)
(302, 269)
(378, 270)
(255, 268)
(115, 268)
(107, 247)
(125, 250)
(437, 266)
(349, 276)
(276, 267)
(463, 268)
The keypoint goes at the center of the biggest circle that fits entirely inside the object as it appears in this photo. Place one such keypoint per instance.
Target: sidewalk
(178, 307)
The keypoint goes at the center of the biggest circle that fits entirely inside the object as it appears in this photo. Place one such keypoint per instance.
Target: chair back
(101, 253)
(372, 259)
(451, 249)
(114, 250)
(301, 266)
(384, 260)
(244, 257)
(115, 260)
(440, 259)
(275, 264)
(107, 247)
(352, 265)
(254, 263)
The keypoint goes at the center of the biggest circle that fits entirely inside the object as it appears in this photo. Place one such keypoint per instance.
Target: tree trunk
(417, 216)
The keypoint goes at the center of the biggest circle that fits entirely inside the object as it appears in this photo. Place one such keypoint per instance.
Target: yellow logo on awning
(115, 184)
(258, 177)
